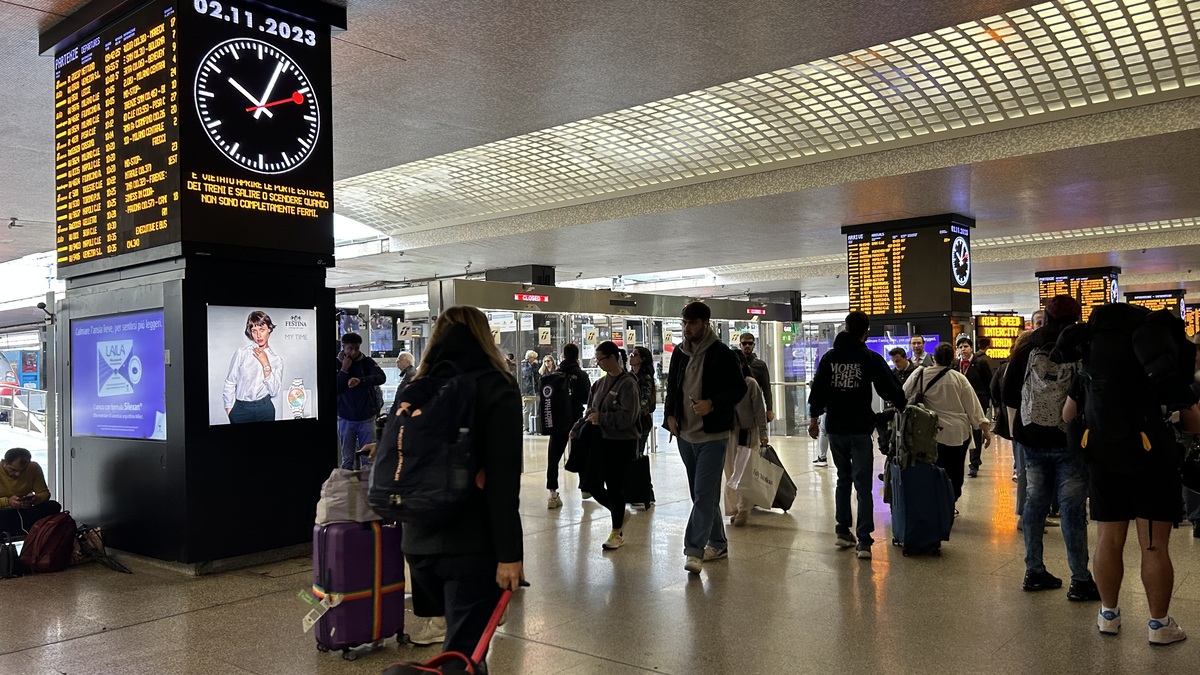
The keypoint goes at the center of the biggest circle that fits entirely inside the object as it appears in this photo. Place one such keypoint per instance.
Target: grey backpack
(1044, 390)
(344, 498)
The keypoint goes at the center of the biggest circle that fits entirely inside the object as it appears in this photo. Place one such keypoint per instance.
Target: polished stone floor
(786, 601)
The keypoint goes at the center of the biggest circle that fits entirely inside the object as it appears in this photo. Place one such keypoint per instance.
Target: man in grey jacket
(703, 387)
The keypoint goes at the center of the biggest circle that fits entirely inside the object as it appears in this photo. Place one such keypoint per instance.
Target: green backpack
(915, 430)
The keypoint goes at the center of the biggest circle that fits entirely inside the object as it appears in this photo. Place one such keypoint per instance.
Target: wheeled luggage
(455, 661)
(922, 507)
(360, 568)
(787, 487)
(639, 488)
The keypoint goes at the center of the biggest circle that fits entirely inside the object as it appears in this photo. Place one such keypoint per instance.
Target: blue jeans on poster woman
(705, 464)
(1051, 471)
(854, 457)
(351, 437)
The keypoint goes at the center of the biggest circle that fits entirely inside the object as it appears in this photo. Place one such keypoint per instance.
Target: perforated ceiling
(1053, 60)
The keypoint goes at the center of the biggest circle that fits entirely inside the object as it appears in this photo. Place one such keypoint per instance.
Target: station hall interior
(659, 152)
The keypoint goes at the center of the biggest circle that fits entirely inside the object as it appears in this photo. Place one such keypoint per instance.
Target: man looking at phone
(24, 497)
(358, 400)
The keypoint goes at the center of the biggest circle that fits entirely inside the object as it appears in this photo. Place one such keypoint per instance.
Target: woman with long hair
(749, 430)
(641, 366)
(615, 409)
(548, 366)
(460, 569)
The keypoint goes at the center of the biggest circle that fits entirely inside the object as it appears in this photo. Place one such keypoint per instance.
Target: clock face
(960, 261)
(257, 106)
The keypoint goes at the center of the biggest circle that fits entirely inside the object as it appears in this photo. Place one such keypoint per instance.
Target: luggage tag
(326, 603)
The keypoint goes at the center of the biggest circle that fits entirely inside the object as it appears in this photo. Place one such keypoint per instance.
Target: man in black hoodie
(564, 397)
(704, 385)
(841, 391)
(358, 402)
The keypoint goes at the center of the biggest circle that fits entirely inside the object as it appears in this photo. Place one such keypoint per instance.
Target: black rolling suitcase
(639, 488)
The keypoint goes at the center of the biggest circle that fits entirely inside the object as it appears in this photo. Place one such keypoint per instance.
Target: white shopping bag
(740, 458)
(757, 480)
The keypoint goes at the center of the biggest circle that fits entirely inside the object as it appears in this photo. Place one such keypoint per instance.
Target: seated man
(24, 497)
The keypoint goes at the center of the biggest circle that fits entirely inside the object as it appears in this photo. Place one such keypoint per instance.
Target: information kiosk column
(194, 184)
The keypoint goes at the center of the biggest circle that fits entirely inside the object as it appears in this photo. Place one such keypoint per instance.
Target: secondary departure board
(1170, 300)
(196, 123)
(1191, 319)
(116, 140)
(1091, 287)
(912, 269)
(1001, 330)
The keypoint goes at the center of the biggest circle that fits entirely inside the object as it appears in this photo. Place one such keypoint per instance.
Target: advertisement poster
(883, 345)
(262, 364)
(118, 376)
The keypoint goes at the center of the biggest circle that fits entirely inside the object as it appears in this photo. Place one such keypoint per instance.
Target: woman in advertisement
(255, 375)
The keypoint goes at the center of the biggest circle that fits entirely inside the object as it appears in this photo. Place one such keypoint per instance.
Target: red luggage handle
(432, 665)
(493, 624)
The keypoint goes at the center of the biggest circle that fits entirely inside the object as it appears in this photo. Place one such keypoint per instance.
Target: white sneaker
(1165, 633)
(555, 502)
(820, 461)
(615, 541)
(1109, 623)
(711, 554)
(692, 565)
(428, 631)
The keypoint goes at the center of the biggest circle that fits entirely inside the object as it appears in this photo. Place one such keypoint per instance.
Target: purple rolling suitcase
(362, 563)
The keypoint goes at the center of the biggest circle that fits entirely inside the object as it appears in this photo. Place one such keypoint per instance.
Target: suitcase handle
(493, 623)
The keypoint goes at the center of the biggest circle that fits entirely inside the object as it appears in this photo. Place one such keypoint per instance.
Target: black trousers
(612, 460)
(977, 451)
(953, 458)
(17, 522)
(558, 446)
(460, 587)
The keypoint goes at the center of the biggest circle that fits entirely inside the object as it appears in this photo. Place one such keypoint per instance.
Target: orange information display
(1091, 287)
(1170, 300)
(1191, 319)
(1001, 330)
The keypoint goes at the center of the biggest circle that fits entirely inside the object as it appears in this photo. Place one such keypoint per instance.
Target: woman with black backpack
(612, 420)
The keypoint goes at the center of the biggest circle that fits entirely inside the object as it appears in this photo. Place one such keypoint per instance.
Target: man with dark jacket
(977, 368)
(1047, 460)
(841, 391)
(563, 399)
(704, 385)
(358, 402)
(759, 371)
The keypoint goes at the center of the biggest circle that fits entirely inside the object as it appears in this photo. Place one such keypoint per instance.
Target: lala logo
(117, 368)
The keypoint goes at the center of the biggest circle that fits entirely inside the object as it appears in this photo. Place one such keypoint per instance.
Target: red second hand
(296, 98)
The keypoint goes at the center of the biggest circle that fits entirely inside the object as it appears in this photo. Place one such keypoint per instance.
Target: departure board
(1001, 330)
(116, 140)
(1091, 287)
(1170, 300)
(909, 270)
(1191, 319)
(199, 124)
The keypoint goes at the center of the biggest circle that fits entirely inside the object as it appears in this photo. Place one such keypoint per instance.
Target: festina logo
(295, 321)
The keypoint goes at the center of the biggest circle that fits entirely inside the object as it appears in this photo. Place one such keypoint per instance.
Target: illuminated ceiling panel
(1050, 61)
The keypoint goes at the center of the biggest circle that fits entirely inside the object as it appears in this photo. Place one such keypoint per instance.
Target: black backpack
(1136, 362)
(425, 468)
(554, 402)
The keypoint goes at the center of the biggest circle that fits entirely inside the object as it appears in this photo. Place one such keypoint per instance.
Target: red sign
(526, 297)
(757, 311)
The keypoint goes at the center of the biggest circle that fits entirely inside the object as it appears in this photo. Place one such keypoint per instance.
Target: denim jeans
(1051, 471)
(351, 437)
(823, 442)
(704, 463)
(855, 461)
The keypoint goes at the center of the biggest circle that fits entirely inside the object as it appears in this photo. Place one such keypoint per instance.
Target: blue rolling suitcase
(922, 508)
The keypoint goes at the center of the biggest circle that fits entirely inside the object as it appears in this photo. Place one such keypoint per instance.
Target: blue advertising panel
(118, 376)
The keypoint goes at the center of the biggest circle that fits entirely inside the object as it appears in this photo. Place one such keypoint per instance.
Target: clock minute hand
(267, 93)
(247, 94)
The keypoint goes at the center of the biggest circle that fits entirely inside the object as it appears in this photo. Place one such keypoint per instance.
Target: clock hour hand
(267, 93)
(247, 94)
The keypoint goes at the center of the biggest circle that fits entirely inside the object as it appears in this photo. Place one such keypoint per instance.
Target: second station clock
(960, 261)
(257, 106)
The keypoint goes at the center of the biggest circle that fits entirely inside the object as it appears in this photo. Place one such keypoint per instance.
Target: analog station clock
(257, 106)
(960, 261)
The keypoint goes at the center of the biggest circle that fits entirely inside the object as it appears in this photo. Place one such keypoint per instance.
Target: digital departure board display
(1091, 287)
(1191, 319)
(198, 123)
(1001, 330)
(909, 267)
(116, 139)
(1170, 300)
